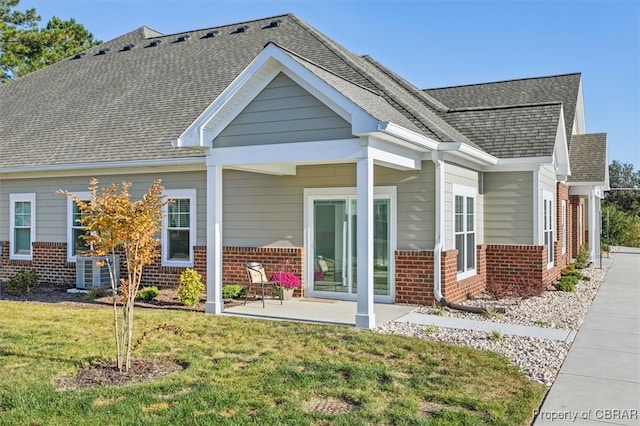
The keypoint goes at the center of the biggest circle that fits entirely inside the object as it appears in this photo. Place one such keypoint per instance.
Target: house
(278, 145)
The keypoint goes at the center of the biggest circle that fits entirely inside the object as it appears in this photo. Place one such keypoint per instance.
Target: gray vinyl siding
(258, 209)
(416, 204)
(264, 210)
(51, 208)
(548, 178)
(508, 207)
(458, 175)
(283, 112)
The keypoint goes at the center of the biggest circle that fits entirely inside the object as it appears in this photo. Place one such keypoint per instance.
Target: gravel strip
(539, 359)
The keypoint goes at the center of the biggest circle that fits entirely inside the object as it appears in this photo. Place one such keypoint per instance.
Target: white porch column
(214, 304)
(365, 316)
(594, 233)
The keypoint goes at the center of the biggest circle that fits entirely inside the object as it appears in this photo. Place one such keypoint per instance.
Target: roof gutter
(468, 152)
(438, 161)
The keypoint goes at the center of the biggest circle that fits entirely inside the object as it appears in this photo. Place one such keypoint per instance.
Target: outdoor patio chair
(258, 277)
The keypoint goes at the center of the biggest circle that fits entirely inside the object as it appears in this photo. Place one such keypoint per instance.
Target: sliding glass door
(333, 246)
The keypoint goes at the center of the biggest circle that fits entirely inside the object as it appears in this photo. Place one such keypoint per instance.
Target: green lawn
(243, 371)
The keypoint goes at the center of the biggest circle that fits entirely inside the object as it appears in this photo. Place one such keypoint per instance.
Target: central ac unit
(91, 275)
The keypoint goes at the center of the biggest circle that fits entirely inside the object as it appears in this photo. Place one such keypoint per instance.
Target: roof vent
(79, 55)
(103, 51)
(274, 24)
(210, 34)
(182, 38)
(242, 29)
(128, 47)
(154, 43)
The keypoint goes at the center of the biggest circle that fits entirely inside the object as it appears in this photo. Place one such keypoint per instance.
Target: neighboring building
(281, 146)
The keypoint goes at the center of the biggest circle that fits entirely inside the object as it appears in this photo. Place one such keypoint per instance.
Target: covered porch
(314, 310)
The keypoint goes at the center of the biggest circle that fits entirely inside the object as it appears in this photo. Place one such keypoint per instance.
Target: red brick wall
(562, 194)
(49, 262)
(234, 260)
(510, 264)
(414, 277)
(574, 202)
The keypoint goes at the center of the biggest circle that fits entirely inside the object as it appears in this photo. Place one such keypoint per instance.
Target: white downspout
(439, 227)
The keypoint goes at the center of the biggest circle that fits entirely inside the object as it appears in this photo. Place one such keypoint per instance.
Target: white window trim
(548, 197)
(465, 191)
(349, 193)
(171, 194)
(84, 196)
(14, 198)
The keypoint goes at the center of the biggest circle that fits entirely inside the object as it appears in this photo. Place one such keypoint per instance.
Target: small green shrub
(574, 273)
(436, 310)
(189, 287)
(582, 260)
(491, 312)
(232, 291)
(567, 283)
(148, 293)
(496, 335)
(23, 281)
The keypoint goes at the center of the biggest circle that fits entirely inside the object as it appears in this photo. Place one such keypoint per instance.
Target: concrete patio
(317, 310)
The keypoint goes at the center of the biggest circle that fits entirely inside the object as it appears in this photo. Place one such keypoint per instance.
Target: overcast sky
(436, 43)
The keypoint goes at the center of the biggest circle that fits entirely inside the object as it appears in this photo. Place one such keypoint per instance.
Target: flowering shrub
(287, 279)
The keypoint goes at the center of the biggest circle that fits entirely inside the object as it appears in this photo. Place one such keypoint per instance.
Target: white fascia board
(579, 121)
(587, 189)
(391, 154)
(292, 152)
(252, 80)
(279, 169)
(520, 164)
(106, 168)
(405, 134)
(561, 148)
(468, 153)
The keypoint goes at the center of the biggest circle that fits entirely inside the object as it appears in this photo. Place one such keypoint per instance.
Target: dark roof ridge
(500, 107)
(222, 26)
(340, 51)
(333, 46)
(426, 99)
(504, 81)
(303, 58)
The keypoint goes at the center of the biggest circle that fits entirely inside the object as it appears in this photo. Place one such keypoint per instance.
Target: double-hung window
(75, 230)
(179, 228)
(464, 206)
(547, 199)
(22, 223)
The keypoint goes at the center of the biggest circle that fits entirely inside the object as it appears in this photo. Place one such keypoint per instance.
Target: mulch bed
(107, 374)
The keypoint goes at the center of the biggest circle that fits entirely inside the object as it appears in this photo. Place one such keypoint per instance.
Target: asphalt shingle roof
(510, 132)
(588, 158)
(558, 88)
(127, 105)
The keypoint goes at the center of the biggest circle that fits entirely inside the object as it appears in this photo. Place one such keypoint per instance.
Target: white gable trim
(271, 61)
(561, 149)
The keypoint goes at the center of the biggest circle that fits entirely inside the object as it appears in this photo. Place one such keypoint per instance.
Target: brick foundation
(234, 260)
(516, 265)
(414, 277)
(49, 262)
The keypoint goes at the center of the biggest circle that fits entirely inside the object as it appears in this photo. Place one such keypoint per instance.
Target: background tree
(621, 207)
(622, 176)
(116, 224)
(25, 48)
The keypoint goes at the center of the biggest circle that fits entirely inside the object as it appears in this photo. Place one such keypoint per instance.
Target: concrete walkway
(489, 326)
(599, 382)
